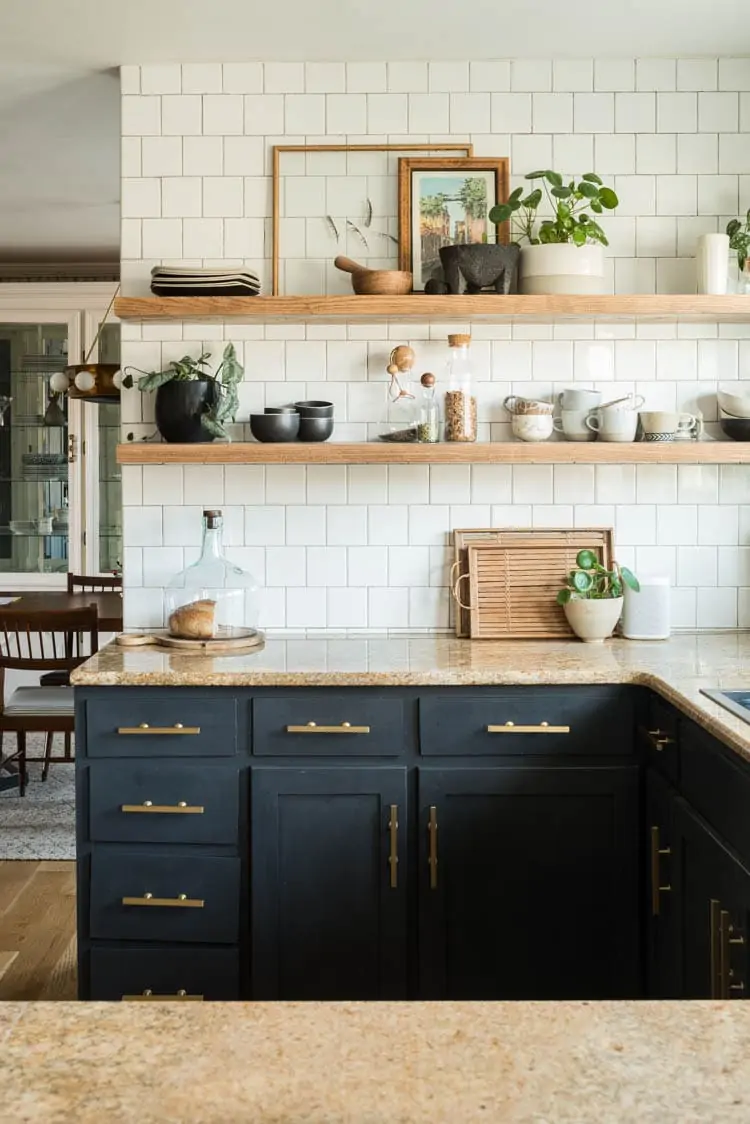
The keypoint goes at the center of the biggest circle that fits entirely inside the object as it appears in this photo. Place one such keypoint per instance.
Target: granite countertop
(676, 668)
(363, 1063)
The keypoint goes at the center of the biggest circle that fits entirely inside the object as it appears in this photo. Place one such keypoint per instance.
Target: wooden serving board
(597, 539)
(192, 647)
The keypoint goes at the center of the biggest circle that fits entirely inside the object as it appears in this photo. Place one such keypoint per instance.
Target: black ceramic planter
(179, 409)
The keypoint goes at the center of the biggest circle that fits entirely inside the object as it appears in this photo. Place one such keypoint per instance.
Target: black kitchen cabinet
(528, 883)
(662, 880)
(329, 878)
(715, 911)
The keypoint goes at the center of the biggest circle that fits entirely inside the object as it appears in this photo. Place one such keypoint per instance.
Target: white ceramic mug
(614, 424)
(579, 398)
(572, 425)
(664, 425)
(531, 427)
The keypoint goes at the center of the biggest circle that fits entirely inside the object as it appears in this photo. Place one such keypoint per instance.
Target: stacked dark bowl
(303, 421)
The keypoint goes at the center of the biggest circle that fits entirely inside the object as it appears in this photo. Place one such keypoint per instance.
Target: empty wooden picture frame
(443, 201)
(335, 212)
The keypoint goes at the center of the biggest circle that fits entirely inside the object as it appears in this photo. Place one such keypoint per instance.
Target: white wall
(366, 546)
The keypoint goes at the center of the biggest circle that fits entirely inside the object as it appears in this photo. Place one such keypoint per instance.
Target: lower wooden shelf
(486, 452)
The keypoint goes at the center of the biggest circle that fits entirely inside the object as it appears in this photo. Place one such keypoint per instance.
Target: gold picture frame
(417, 248)
(280, 149)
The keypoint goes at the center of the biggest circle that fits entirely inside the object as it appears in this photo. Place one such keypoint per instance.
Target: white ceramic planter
(593, 621)
(562, 268)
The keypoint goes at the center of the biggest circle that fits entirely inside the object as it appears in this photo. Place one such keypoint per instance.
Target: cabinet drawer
(137, 802)
(121, 908)
(176, 723)
(521, 721)
(659, 738)
(131, 972)
(328, 723)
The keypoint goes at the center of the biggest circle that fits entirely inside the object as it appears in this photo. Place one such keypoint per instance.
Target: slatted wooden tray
(512, 584)
(596, 538)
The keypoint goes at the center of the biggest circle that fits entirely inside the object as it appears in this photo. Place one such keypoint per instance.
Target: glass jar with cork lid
(460, 401)
(428, 427)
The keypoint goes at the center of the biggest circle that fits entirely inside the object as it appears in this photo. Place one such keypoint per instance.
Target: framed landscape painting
(446, 202)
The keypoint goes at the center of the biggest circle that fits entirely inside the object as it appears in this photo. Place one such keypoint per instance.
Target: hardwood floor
(37, 930)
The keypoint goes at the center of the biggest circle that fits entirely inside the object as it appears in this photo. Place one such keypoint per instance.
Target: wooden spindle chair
(48, 641)
(94, 583)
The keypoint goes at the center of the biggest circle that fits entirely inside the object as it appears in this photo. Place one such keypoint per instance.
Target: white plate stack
(185, 281)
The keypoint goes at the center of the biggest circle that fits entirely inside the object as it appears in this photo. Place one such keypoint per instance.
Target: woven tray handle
(455, 591)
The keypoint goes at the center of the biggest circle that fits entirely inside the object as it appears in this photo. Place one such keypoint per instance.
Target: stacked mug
(576, 404)
(618, 420)
(531, 419)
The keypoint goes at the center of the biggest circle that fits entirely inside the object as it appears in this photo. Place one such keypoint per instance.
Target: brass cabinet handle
(144, 728)
(657, 739)
(714, 939)
(314, 728)
(656, 889)
(149, 808)
(148, 994)
(542, 728)
(726, 931)
(393, 855)
(182, 901)
(432, 829)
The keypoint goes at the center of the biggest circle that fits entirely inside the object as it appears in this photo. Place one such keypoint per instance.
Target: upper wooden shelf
(372, 452)
(418, 306)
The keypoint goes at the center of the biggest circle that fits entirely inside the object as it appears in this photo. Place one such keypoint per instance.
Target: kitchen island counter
(192, 1063)
(677, 669)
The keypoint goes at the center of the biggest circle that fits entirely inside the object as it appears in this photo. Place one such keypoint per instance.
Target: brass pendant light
(94, 382)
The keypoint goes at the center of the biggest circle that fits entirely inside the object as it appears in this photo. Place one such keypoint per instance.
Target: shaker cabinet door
(328, 912)
(528, 884)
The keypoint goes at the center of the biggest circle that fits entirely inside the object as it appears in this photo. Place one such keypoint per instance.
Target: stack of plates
(183, 281)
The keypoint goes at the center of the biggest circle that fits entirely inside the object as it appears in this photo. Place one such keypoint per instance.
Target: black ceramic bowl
(736, 428)
(275, 427)
(281, 410)
(314, 409)
(316, 429)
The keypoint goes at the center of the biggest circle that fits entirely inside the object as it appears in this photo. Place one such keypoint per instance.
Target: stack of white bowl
(734, 412)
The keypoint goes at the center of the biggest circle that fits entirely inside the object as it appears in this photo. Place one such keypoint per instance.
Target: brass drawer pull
(148, 994)
(314, 728)
(656, 889)
(180, 809)
(658, 739)
(726, 931)
(432, 829)
(714, 939)
(182, 901)
(144, 728)
(542, 728)
(393, 836)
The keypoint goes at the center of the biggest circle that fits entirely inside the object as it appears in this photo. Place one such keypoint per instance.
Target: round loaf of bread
(194, 621)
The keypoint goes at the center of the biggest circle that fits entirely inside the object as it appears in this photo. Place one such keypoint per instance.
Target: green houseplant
(562, 252)
(592, 596)
(192, 404)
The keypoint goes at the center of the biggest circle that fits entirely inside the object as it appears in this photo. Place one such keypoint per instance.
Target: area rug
(41, 825)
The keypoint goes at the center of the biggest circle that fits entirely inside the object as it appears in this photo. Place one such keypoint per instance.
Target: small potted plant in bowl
(562, 253)
(592, 598)
(193, 405)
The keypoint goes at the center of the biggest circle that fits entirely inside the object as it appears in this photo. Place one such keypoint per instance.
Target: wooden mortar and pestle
(375, 282)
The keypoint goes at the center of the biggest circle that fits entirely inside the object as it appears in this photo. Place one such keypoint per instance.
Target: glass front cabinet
(60, 490)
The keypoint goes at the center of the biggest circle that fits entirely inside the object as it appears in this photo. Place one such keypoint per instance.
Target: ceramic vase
(593, 621)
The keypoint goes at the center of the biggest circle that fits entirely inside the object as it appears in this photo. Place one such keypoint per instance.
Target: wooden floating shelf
(418, 306)
(365, 452)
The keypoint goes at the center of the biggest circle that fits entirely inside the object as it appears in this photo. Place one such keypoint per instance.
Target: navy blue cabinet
(528, 883)
(329, 883)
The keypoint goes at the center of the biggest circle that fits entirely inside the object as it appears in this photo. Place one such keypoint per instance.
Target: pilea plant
(739, 238)
(593, 582)
(223, 409)
(570, 203)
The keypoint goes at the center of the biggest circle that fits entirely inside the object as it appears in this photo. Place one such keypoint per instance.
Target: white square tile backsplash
(367, 546)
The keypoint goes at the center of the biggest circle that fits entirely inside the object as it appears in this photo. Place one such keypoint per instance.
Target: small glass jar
(428, 429)
(213, 598)
(460, 402)
(402, 418)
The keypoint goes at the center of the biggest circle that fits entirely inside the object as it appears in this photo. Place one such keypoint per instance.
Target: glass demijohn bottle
(428, 429)
(460, 401)
(213, 597)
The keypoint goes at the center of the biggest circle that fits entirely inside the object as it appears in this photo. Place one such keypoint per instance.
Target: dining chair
(45, 641)
(94, 583)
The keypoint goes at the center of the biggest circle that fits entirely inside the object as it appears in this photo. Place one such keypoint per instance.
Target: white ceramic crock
(562, 268)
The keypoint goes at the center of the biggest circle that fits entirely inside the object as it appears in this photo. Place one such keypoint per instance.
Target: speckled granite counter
(363, 1063)
(676, 668)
